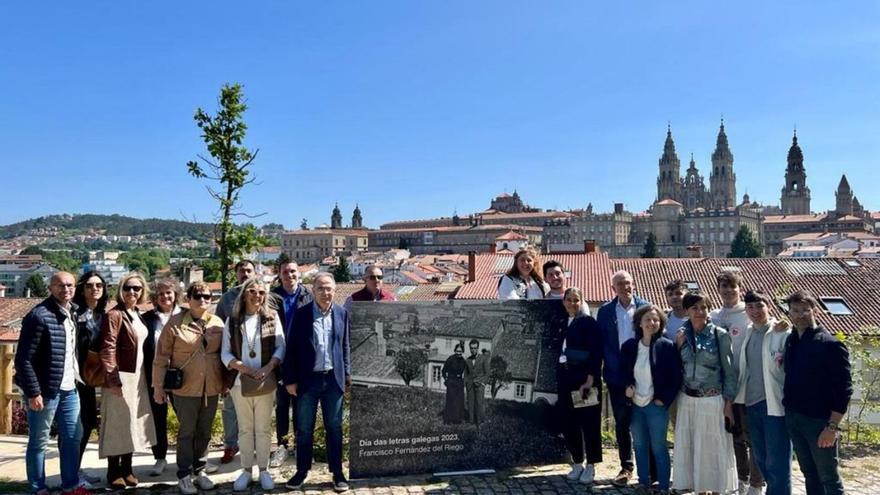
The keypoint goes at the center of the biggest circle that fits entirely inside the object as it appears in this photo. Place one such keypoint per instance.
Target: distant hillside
(110, 225)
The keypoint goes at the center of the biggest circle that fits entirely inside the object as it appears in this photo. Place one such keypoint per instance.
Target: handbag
(93, 370)
(251, 387)
(174, 376)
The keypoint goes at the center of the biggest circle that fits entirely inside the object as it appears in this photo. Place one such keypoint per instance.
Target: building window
(436, 373)
(519, 391)
(836, 305)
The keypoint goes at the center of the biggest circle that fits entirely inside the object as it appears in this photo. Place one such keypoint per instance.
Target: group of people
(742, 388)
(285, 349)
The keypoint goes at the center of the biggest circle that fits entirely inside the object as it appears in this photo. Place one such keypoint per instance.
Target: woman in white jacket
(523, 280)
(761, 378)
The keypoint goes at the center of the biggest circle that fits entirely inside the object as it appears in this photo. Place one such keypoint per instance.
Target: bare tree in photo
(499, 375)
(410, 364)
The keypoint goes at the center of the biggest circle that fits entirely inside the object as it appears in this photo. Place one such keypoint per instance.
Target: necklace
(252, 344)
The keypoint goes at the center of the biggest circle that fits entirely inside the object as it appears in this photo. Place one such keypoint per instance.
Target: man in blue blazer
(317, 368)
(615, 321)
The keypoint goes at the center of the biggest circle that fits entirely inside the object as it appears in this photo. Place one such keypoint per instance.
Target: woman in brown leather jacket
(191, 342)
(126, 420)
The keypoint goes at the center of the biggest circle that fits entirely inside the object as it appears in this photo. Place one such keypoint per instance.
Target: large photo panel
(454, 386)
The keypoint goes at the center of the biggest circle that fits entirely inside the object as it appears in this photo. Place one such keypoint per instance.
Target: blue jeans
(64, 409)
(230, 423)
(771, 447)
(649, 425)
(322, 387)
(818, 465)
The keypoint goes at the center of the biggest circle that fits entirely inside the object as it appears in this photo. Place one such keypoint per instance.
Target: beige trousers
(254, 427)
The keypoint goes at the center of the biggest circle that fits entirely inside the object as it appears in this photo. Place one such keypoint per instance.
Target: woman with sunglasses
(126, 419)
(191, 342)
(165, 297)
(253, 349)
(91, 301)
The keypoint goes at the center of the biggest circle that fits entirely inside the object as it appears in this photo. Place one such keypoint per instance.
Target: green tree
(37, 286)
(745, 245)
(146, 261)
(650, 246)
(304, 225)
(282, 259)
(410, 364)
(499, 375)
(341, 272)
(866, 379)
(230, 160)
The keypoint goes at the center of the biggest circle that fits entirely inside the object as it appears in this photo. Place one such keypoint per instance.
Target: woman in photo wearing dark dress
(577, 373)
(454, 370)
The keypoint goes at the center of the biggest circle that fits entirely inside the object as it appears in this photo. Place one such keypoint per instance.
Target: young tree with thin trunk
(228, 164)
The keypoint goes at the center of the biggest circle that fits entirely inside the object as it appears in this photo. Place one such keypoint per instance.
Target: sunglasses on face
(375, 277)
(129, 288)
(203, 297)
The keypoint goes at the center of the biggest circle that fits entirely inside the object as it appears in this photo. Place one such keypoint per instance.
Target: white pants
(254, 427)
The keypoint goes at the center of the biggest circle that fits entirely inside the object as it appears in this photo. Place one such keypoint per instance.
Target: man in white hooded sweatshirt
(733, 318)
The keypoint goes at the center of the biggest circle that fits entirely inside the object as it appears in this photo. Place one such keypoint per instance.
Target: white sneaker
(158, 468)
(278, 457)
(266, 481)
(575, 473)
(743, 487)
(185, 485)
(243, 481)
(756, 490)
(203, 482)
(89, 478)
(210, 467)
(588, 474)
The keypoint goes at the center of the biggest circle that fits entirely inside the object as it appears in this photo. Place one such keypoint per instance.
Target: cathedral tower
(795, 194)
(722, 181)
(336, 218)
(844, 197)
(357, 222)
(669, 180)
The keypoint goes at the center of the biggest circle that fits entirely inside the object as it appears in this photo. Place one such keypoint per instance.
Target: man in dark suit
(317, 368)
(475, 380)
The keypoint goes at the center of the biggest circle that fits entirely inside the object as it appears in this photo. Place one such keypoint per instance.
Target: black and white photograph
(453, 386)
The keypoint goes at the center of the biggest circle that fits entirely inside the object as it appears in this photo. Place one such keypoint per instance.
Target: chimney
(492, 248)
(2, 291)
(590, 246)
(472, 266)
(618, 208)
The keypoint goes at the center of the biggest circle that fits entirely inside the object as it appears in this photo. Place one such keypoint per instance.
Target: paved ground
(861, 472)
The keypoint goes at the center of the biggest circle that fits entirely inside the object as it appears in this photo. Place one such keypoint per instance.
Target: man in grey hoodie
(733, 318)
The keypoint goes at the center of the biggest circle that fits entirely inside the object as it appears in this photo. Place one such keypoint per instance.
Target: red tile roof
(590, 272)
(511, 236)
(12, 310)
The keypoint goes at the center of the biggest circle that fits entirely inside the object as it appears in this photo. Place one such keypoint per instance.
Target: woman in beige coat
(191, 342)
(126, 420)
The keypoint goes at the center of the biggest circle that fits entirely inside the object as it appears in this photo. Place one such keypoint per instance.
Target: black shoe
(298, 480)
(340, 484)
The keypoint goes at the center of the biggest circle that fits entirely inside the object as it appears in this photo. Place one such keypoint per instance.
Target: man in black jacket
(817, 390)
(46, 370)
(289, 296)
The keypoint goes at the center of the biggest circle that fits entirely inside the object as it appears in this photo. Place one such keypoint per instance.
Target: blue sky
(414, 109)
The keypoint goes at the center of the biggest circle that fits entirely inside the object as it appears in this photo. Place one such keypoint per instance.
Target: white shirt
(515, 288)
(71, 365)
(625, 322)
(642, 373)
(163, 319)
(251, 335)
(562, 358)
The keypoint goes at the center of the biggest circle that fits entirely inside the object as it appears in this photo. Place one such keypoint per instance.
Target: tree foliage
(745, 245)
(229, 163)
(650, 246)
(499, 375)
(146, 261)
(282, 259)
(110, 225)
(341, 272)
(866, 380)
(37, 286)
(410, 364)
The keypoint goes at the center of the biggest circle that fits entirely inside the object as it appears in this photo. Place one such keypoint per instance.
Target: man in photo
(476, 378)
